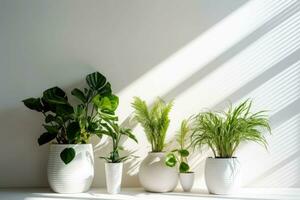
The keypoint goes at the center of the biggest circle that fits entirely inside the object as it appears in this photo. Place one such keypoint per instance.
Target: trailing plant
(223, 132)
(112, 129)
(180, 154)
(69, 124)
(155, 121)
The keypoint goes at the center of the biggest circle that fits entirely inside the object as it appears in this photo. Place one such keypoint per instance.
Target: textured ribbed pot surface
(76, 176)
(222, 175)
(155, 176)
(113, 175)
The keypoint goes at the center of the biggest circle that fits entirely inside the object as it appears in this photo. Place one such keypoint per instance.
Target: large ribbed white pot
(113, 175)
(155, 176)
(222, 175)
(76, 176)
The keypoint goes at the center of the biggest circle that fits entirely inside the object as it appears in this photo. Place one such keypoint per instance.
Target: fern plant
(223, 132)
(180, 154)
(155, 121)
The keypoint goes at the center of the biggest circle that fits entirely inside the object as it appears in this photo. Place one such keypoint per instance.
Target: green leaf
(67, 155)
(46, 137)
(170, 160)
(79, 94)
(184, 153)
(92, 126)
(128, 133)
(64, 110)
(184, 167)
(109, 103)
(106, 90)
(51, 129)
(49, 118)
(73, 130)
(96, 80)
(55, 95)
(33, 104)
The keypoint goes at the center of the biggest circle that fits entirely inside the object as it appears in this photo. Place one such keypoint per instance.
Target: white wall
(200, 53)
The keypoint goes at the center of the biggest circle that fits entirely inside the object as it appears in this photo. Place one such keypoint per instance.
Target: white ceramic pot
(113, 174)
(222, 175)
(187, 180)
(76, 176)
(155, 176)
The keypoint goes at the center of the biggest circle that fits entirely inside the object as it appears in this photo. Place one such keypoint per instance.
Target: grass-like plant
(155, 121)
(223, 132)
(181, 153)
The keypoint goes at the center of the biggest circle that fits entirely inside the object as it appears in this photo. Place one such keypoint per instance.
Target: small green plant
(155, 121)
(223, 132)
(180, 154)
(69, 124)
(115, 132)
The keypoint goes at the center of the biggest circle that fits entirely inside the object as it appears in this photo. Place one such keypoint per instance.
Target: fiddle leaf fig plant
(155, 121)
(68, 124)
(223, 132)
(180, 154)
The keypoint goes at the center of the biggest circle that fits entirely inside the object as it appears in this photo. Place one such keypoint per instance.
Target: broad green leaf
(55, 95)
(96, 80)
(109, 103)
(183, 152)
(64, 110)
(184, 167)
(92, 126)
(49, 118)
(46, 137)
(51, 129)
(170, 160)
(79, 94)
(73, 131)
(106, 90)
(67, 155)
(33, 104)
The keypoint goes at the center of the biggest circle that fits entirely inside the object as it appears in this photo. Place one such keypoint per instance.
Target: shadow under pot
(74, 177)
(155, 176)
(222, 175)
(187, 180)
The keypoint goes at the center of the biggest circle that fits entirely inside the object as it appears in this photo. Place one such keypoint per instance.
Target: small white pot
(222, 175)
(74, 177)
(187, 180)
(155, 176)
(113, 173)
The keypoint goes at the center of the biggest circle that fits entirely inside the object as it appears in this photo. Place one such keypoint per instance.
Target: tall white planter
(222, 175)
(76, 176)
(113, 174)
(155, 176)
(187, 180)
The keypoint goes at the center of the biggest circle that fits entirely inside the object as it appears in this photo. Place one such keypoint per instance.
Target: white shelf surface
(138, 193)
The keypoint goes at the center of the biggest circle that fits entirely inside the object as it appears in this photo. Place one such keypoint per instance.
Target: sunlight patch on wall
(279, 91)
(284, 145)
(241, 69)
(201, 51)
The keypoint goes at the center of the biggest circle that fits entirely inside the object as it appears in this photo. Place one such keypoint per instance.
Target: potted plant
(69, 128)
(180, 155)
(154, 175)
(114, 162)
(223, 132)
